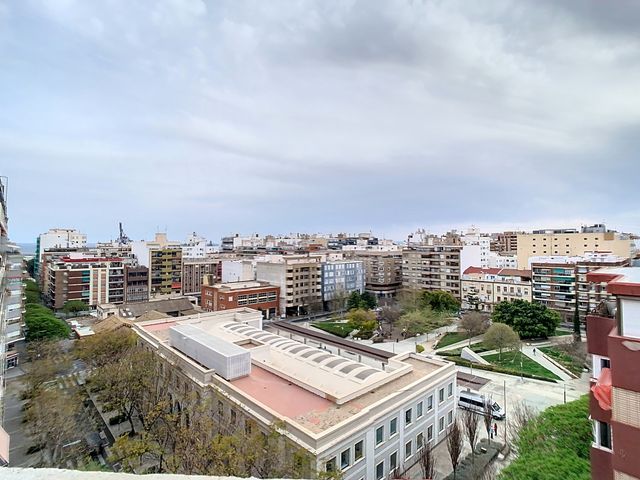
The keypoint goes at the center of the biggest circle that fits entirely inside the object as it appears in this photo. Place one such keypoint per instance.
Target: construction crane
(123, 239)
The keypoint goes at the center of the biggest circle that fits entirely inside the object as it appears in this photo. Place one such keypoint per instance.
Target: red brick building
(613, 340)
(257, 295)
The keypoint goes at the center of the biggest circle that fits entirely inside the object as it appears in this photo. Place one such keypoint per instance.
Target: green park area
(517, 362)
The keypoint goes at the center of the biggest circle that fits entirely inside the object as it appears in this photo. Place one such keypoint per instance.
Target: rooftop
(308, 385)
(242, 285)
(619, 280)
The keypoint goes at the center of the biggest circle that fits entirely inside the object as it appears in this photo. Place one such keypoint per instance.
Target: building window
(602, 434)
(345, 458)
(450, 390)
(441, 424)
(441, 395)
(393, 427)
(380, 471)
(407, 417)
(419, 410)
(393, 461)
(408, 450)
(358, 451)
(430, 403)
(330, 466)
(379, 435)
(450, 418)
(419, 441)
(429, 433)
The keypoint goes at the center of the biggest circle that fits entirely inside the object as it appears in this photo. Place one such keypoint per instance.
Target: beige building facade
(486, 287)
(432, 267)
(570, 243)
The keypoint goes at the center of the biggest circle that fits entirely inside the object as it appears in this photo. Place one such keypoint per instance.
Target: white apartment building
(238, 270)
(476, 249)
(197, 246)
(57, 238)
(360, 418)
(502, 260)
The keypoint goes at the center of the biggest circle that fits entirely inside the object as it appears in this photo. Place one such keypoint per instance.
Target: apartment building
(194, 270)
(476, 248)
(502, 260)
(340, 278)
(486, 287)
(505, 242)
(197, 246)
(163, 258)
(136, 281)
(92, 280)
(613, 340)
(364, 418)
(11, 310)
(560, 281)
(14, 305)
(57, 238)
(237, 270)
(570, 242)
(261, 296)
(299, 278)
(382, 269)
(432, 267)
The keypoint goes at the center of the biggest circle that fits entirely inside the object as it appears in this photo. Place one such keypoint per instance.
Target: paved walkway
(542, 360)
(461, 344)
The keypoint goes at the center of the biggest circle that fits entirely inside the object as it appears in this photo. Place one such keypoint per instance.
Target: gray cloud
(317, 115)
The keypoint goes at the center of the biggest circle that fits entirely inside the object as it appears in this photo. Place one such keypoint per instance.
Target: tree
(51, 421)
(487, 417)
(122, 383)
(31, 267)
(501, 336)
(420, 321)
(362, 320)
(521, 415)
(530, 320)
(365, 301)
(354, 301)
(474, 323)
(104, 348)
(42, 324)
(440, 301)
(454, 445)
(470, 421)
(368, 300)
(389, 315)
(409, 299)
(45, 363)
(75, 306)
(427, 460)
(32, 292)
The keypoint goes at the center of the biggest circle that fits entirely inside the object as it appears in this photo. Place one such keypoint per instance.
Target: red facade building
(613, 340)
(253, 294)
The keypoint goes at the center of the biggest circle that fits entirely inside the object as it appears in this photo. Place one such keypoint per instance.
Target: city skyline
(240, 117)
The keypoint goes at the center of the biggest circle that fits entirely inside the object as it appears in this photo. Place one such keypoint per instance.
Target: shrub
(419, 348)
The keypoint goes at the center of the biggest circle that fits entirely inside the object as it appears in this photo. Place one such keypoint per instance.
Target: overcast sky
(318, 116)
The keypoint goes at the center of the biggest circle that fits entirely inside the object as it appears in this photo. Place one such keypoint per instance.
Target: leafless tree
(470, 421)
(427, 461)
(487, 417)
(474, 323)
(521, 415)
(489, 473)
(454, 445)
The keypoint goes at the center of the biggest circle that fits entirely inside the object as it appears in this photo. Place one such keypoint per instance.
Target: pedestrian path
(460, 344)
(538, 357)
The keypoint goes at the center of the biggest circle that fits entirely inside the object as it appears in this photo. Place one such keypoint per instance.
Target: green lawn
(563, 359)
(511, 360)
(337, 328)
(451, 338)
(476, 347)
(496, 368)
